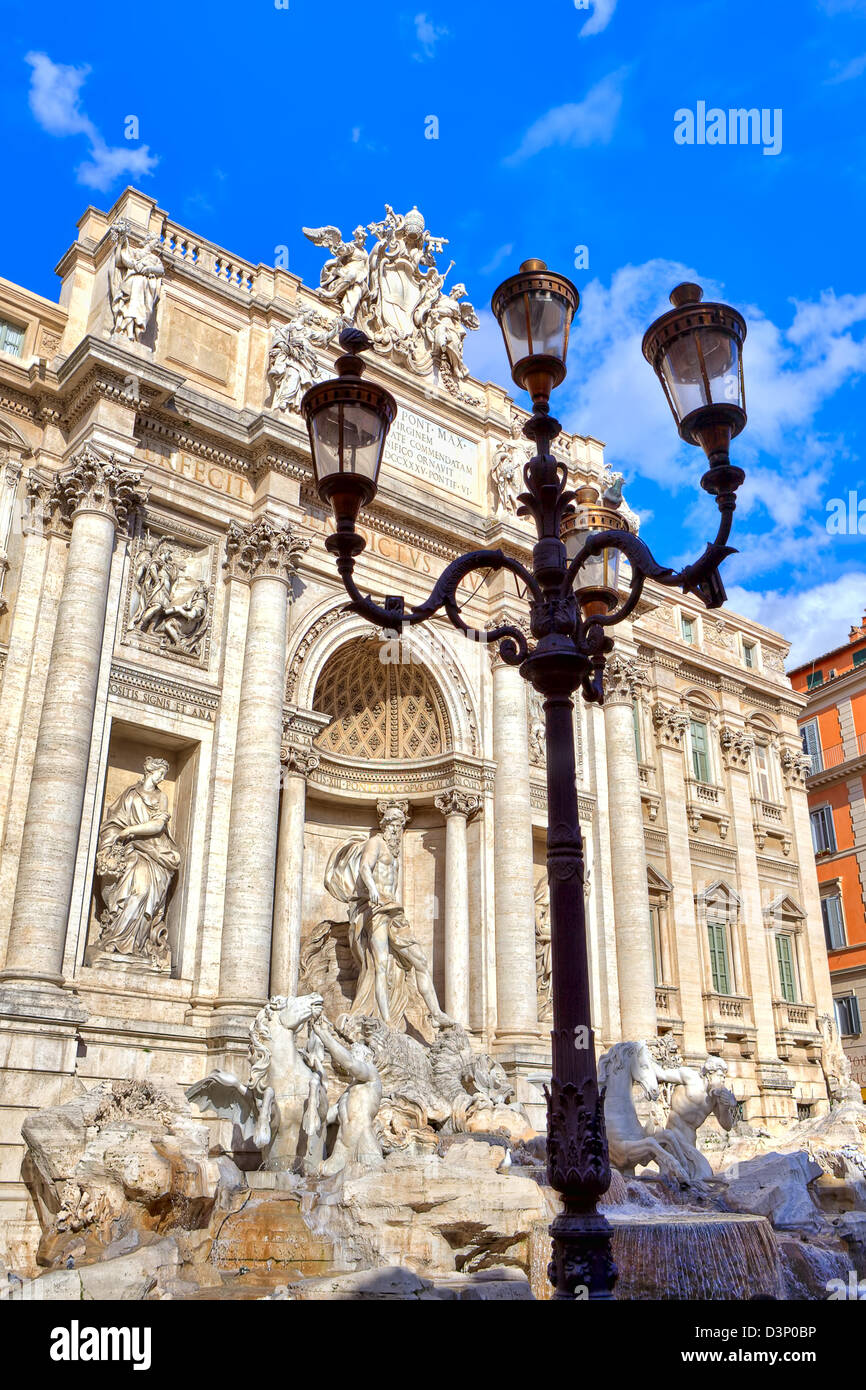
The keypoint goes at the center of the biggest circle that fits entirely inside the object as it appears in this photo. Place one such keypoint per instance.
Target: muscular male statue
(365, 876)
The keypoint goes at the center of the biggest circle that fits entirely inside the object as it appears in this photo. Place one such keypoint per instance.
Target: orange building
(833, 727)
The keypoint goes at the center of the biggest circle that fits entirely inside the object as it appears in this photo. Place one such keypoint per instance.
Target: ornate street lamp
(574, 598)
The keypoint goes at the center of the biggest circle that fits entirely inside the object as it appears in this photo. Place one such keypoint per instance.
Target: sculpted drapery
(136, 860)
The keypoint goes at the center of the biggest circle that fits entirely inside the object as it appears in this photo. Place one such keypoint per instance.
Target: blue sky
(254, 121)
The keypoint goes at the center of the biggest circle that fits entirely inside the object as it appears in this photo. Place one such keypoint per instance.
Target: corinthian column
(458, 808)
(634, 959)
(97, 495)
(265, 555)
(514, 888)
(298, 763)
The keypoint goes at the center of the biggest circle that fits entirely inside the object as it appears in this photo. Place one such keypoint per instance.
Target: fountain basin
(680, 1255)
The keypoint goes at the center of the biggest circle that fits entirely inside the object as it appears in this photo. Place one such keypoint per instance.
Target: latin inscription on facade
(432, 453)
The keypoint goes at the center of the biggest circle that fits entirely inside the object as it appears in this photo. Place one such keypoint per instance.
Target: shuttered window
(717, 935)
(812, 744)
(787, 977)
(834, 922)
(700, 751)
(823, 830)
(848, 1016)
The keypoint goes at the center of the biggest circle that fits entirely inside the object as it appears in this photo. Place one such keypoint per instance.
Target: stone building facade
(191, 723)
(833, 728)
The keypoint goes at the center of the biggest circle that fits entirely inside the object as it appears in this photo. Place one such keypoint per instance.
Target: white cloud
(484, 351)
(602, 14)
(54, 100)
(428, 35)
(815, 620)
(578, 123)
(499, 255)
(847, 72)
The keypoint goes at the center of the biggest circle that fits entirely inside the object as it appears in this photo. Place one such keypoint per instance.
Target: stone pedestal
(457, 808)
(634, 958)
(96, 495)
(516, 1002)
(265, 555)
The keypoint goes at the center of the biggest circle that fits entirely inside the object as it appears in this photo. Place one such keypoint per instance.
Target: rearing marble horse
(621, 1066)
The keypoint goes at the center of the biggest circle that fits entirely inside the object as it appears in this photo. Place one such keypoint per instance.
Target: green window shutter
(786, 969)
(700, 751)
(834, 924)
(718, 942)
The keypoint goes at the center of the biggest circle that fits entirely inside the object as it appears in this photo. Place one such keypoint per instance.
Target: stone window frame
(707, 910)
(784, 916)
(659, 890)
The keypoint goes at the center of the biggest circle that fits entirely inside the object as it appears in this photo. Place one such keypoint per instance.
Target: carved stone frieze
(264, 548)
(175, 697)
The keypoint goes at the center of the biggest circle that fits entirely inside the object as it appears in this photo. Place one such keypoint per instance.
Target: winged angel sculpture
(395, 292)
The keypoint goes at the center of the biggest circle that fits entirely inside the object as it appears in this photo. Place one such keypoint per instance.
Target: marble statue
(543, 967)
(835, 1065)
(395, 292)
(612, 485)
(355, 1112)
(171, 604)
(136, 280)
(364, 874)
(622, 1066)
(537, 730)
(292, 362)
(696, 1095)
(136, 861)
(284, 1108)
(506, 469)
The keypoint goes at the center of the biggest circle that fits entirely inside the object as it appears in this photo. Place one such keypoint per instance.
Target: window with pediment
(380, 710)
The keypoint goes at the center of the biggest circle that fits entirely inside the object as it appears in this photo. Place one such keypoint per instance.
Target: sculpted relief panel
(170, 596)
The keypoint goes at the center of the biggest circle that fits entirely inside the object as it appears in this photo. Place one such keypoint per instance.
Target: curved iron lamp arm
(393, 614)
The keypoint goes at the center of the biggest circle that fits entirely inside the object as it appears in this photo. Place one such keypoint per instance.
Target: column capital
(796, 767)
(737, 746)
(96, 483)
(670, 725)
(264, 548)
(457, 803)
(298, 761)
(505, 618)
(622, 676)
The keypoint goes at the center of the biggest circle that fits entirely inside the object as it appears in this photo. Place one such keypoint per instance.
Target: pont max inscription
(433, 453)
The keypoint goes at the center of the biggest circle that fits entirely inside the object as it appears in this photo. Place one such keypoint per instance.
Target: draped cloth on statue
(343, 881)
(135, 874)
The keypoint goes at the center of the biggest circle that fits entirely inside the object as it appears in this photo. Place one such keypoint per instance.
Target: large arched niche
(331, 630)
(379, 709)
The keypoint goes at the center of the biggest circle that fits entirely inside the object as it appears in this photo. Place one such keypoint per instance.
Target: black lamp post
(695, 349)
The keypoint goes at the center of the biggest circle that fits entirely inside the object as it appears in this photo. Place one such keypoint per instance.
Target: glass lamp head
(348, 421)
(534, 310)
(696, 351)
(596, 582)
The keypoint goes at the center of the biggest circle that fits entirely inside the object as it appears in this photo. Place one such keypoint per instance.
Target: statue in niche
(136, 861)
(543, 968)
(292, 362)
(506, 470)
(136, 279)
(364, 874)
(172, 604)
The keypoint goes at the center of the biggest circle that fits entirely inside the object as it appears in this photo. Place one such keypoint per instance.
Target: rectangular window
(823, 830)
(762, 771)
(787, 978)
(636, 720)
(848, 1016)
(11, 338)
(688, 630)
(860, 657)
(749, 655)
(717, 934)
(812, 744)
(834, 922)
(700, 751)
(815, 678)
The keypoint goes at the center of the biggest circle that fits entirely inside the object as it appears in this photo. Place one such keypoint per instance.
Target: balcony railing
(835, 755)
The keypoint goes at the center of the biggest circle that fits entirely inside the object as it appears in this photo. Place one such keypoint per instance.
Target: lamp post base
(582, 1266)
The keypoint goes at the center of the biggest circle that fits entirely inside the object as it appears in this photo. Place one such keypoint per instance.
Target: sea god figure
(136, 860)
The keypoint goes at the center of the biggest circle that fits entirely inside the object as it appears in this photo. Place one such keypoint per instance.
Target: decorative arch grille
(379, 710)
